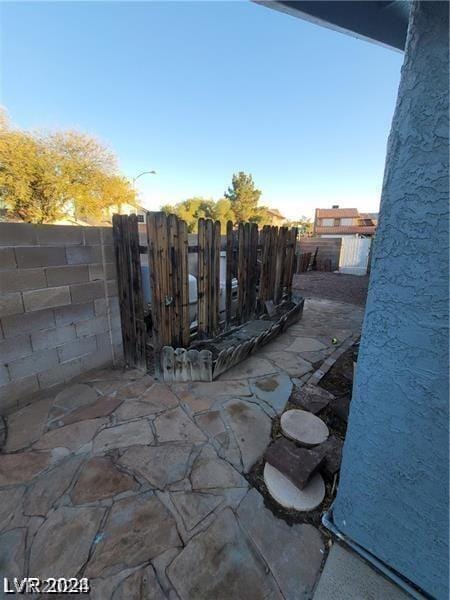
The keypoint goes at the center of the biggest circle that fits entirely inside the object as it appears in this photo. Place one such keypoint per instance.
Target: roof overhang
(383, 22)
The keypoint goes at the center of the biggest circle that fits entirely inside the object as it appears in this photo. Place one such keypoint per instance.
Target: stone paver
(122, 436)
(195, 506)
(345, 576)
(297, 464)
(73, 436)
(274, 390)
(139, 485)
(303, 427)
(175, 426)
(220, 563)
(102, 407)
(160, 465)
(157, 399)
(141, 584)
(251, 427)
(137, 529)
(99, 478)
(254, 366)
(279, 542)
(74, 396)
(63, 542)
(19, 468)
(12, 553)
(209, 471)
(46, 490)
(26, 425)
(288, 495)
(311, 398)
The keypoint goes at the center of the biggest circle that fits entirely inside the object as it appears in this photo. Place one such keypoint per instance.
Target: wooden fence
(263, 263)
(126, 247)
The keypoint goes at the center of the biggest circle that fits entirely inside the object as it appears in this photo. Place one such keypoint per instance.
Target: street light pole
(143, 173)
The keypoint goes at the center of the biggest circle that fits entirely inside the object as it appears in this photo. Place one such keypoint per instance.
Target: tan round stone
(288, 495)
(303, 427)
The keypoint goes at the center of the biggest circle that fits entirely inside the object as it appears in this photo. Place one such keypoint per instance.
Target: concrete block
(100, 307)
(40, 256)
(7, 258)
(16, 324)
(112, 288)
(17, 234)
(91, 236)
(74, 313)
(66, 275)
(19, 280)
(108, 252)
(52, 338)
(46, 298)
(10, 304)
(107, 236)
(59, 235)
(83, 292)
(34, 363)
(98, 271)
(103, 356)
(92, 327)
(86, 345)
(81, 255)
(17, 390)
(62, 373)
(14, 348)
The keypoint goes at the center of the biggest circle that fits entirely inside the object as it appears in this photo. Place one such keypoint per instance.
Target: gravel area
(333, 286)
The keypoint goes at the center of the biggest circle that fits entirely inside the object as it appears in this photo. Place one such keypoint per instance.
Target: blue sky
(199, 90)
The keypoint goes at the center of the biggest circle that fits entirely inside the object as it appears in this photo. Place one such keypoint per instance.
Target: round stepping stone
(303, 427)
(288, 495)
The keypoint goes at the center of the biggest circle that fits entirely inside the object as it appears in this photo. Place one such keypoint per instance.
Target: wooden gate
(262, 263)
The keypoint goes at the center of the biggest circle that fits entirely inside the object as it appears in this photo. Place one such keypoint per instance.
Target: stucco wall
(393, 494)
(59, 312)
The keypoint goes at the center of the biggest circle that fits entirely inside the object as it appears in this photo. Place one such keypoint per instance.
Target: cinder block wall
(59, 312)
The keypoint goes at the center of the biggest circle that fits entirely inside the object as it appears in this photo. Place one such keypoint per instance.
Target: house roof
(362, 229)
(384, 22)
(275, 213)
(336, 213)
(373, 216)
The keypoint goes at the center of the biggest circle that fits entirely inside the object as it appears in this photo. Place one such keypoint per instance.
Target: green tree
(47, 176)
(304, 225)
(244, 197)
(191, 210)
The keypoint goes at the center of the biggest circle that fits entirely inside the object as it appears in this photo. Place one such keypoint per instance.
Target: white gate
(354, 256)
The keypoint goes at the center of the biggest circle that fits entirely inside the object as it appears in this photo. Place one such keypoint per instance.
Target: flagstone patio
(140, 486)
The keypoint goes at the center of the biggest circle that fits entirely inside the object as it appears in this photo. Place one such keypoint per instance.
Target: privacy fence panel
(126, 247)
(208, 282)
(168, 265)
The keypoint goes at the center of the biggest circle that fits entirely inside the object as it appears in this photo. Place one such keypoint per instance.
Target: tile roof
(336, 213)
(365, 229)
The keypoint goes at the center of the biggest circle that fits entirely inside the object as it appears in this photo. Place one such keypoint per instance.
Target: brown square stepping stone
(311, 398)
(297, 464)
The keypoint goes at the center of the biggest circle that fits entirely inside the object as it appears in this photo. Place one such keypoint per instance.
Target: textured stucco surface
(393, 496)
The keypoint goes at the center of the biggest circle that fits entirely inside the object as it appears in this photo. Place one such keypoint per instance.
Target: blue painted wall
(393, 494)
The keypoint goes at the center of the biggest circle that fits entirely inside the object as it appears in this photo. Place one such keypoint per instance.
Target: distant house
(277, 218)
(340, 222)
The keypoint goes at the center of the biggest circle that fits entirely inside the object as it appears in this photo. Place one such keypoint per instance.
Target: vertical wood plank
(209, 288)
(121, 282)
(252, 269)
(241, 272)
(155, 282)
(201, 290)
(174, 279)
(184, 284)
(137, 295)
(216, 278)
(229, 275)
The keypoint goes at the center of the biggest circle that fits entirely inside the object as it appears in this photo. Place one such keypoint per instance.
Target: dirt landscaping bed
(333, 286)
